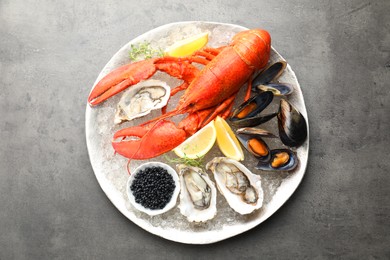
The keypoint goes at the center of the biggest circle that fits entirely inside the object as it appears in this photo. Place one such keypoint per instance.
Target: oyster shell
(140, 99)
(198, 196)
(241, 188)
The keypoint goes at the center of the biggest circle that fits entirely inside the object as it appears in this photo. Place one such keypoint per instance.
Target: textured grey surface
(51, 203)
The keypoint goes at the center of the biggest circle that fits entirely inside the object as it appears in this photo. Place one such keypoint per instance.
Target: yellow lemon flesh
(198, 144)
(187, 46)
(227, 141)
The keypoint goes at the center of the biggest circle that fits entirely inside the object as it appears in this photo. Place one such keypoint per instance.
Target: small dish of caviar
(153, 188)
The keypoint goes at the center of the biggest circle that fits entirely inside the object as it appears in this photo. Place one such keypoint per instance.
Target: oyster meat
(241, 188)
(140, 99)
(198, 196)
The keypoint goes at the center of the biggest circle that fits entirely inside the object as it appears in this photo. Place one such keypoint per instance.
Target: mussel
(279, 89)
(198, 194)
(292, 125)
(248, 113)
(258, 131)
(270, 73)
(251, 139)
(262, 82)
(241, 188)
(280, 160)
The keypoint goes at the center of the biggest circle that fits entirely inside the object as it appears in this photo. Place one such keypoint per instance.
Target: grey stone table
(51, 204)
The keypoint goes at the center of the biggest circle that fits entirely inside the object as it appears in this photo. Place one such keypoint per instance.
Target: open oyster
(198, 196)
(241, 188)
(141, 99)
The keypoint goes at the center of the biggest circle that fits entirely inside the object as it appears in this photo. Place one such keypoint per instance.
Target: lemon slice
(199, 144)
(227, 141)
(187, 46)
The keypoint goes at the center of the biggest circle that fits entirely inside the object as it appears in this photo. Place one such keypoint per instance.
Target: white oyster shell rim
(234, 200)
(171, 203)
(123, 109)
(115, 189)
(186, 205)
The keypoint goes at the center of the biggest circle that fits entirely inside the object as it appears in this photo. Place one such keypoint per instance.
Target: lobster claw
(120, 79)
(131, 74)
(148, 141)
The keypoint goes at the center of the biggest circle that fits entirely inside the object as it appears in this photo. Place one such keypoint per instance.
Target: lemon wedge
(227, 141)
(188, 45)
(198, 144)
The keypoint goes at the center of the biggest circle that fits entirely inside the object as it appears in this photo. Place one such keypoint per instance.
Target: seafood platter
(234, 94)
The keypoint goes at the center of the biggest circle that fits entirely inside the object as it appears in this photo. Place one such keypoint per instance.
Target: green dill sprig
(143, 50)
(197, 162)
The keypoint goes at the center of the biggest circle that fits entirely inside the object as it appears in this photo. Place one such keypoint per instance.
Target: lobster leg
(228, 111)
(179, 88)
(214, 51)
(249, 89)
(174, 91)
(207, 55)
(193, 122)
(208, 52)
(220, 109)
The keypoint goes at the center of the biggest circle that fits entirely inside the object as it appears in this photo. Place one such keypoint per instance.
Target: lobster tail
(248, 45)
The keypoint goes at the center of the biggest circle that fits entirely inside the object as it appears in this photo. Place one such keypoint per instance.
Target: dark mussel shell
(255, 145)
(258, 131)
(279, 161)
(279, 89)
(248, 113)
(270, 73)
(292, 125)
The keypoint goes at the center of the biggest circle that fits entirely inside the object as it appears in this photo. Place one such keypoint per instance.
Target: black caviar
(153, 187)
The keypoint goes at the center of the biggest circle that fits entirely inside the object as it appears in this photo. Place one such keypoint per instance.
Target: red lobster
(208, 92)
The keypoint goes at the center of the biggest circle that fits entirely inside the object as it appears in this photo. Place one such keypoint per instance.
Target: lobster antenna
(128, 167)
(166, 115)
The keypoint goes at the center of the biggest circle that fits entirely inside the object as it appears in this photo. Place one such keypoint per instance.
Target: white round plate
(112, 175)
